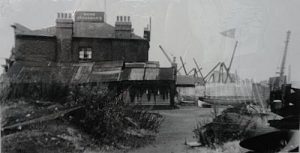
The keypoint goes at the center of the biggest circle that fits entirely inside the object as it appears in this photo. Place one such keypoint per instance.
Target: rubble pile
(233, 124)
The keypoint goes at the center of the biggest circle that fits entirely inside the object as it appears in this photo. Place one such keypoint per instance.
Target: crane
(165, 53)
(169, 59)
(205, 77)
(281, 73)
(197, 66)
(183, 66)
(222, 69)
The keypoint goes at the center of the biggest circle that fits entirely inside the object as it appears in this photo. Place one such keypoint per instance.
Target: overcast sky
(187, 28)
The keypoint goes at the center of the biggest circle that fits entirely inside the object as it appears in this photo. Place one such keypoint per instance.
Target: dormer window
(85, 53)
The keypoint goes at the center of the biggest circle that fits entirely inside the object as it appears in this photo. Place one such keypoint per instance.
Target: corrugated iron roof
(136, 74)
(149, 64)
(107, 75)
(83, 72)
(140, 74)
(136, 65)
(109, 64)
(151, 74)
(166, 74)
(183, 80)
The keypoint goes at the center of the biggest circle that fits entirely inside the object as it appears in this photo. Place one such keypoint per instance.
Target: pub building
(83, 49)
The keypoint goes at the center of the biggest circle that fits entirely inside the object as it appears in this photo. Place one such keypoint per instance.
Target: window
(85, 53)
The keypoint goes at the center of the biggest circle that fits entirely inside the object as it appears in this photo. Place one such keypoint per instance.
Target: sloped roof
(80, 30)
(148, 64)
(96, 30)
(142, 74)
(46, 31)
(28, 72)
(183, 80)
(22, 30)
(93, 30)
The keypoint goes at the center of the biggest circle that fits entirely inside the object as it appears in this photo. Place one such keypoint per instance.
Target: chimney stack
(147, 31)
(123, 27)
(64, 34)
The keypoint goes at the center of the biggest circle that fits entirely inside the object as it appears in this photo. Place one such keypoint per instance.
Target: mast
(281, 73)
(289, 74)
(231, 60)
(105, 11)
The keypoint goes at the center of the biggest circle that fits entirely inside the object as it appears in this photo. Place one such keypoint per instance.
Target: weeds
(104, 115)
(108, 118)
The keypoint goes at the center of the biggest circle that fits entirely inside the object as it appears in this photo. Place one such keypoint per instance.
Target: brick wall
(35, 48)
(64, 32)
(46, 49)
(113, 49)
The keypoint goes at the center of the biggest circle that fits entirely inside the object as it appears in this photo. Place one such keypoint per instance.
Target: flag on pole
(229, 33)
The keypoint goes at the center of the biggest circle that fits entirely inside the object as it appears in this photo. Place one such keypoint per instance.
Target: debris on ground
(232, 124)
(193, 144)
(82, 124)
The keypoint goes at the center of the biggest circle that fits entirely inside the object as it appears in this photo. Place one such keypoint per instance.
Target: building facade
(85, 49)
(86, 38)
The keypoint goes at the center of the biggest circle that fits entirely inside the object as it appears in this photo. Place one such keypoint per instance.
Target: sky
(187, 28)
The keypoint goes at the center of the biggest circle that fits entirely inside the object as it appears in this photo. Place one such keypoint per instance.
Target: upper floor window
(85, 53)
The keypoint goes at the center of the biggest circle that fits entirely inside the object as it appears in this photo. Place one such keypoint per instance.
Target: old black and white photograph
(149, 76)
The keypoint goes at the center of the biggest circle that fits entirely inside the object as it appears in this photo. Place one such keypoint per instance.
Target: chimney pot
(121, 18)
(128, 18)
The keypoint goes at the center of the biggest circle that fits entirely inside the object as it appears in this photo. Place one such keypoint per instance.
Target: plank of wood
(43, 118)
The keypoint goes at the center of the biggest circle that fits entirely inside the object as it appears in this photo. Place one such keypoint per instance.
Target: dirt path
(176, 128)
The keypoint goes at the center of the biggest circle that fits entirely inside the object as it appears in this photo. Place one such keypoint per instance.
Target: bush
(104, 115)
(107, 117)
(51, 91)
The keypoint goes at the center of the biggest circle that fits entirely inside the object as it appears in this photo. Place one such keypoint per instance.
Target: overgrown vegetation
(108, 118)
(103, 114)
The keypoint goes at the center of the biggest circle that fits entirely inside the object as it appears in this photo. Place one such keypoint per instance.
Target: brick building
(86, 49)
(87, 38)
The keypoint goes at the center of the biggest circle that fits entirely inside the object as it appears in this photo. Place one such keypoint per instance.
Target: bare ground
(176, 129)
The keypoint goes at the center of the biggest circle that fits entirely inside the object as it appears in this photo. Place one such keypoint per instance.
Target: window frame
(85, 53)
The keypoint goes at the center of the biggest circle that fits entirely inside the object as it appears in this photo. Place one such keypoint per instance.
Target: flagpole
(105, 11)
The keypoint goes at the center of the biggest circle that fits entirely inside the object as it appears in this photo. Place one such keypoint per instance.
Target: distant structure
(85, 49)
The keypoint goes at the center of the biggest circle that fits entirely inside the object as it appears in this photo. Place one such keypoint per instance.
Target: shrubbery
(104, 115)
(107, 117)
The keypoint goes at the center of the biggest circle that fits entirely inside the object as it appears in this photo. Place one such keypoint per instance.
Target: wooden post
(172, 93)
(173, 85)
